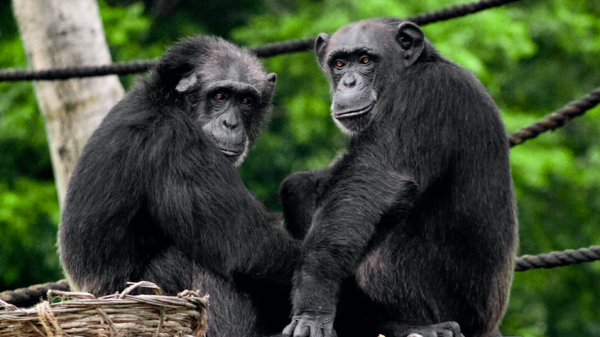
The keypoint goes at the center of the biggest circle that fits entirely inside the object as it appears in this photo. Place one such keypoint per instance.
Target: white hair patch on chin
(343, 128)
(242, 156)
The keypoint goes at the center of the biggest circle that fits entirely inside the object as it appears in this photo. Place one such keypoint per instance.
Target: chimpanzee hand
(311, 324)
(445, 329)
(299, 199)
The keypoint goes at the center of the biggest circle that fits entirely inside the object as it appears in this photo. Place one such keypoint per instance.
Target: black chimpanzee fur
(414, 229)
(155, 195)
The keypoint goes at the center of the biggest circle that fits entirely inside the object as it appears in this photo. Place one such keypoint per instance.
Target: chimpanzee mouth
(353, 113)
(230, 153)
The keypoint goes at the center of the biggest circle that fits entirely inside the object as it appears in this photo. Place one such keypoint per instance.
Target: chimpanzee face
(227, 116)
(362, 59)
(231, 105)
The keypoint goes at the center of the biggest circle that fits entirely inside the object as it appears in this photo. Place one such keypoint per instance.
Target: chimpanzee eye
(365, 60)
(220, 96)
(247, 101)
(339, 63)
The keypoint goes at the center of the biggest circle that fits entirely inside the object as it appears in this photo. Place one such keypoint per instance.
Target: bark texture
(67, 33)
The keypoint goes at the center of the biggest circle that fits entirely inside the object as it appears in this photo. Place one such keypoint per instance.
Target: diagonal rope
(268, 50)
(456, 11)
(558, 259)
(556, 119)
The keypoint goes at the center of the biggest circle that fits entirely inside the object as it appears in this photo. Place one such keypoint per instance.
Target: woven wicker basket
(114, 315)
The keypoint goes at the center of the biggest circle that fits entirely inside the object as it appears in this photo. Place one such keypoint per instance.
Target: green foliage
(29, 210)
(533, 56)
(28, 219)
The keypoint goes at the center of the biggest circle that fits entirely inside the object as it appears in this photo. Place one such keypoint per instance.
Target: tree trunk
(66, 33)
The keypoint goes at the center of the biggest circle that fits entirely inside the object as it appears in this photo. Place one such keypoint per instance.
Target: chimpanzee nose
(349, 80)
(230, 121)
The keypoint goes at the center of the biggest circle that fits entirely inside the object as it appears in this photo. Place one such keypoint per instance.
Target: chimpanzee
(414, 229)
(155, 195)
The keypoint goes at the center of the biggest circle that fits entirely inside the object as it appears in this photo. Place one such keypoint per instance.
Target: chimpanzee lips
(353, 113)
(231, 153)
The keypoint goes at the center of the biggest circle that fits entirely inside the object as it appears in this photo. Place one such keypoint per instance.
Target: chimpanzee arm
(101, 201)
(300, 195)
(203, 208)
(342, 228)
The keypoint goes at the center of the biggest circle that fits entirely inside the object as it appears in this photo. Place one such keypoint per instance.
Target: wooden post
(58, 34)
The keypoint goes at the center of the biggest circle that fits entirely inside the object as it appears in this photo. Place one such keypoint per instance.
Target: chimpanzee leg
(403, 307)
(230, 312)
(171, 271)
(300, 194)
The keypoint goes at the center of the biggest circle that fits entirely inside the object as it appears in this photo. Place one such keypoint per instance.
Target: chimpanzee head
(224, 87)
(363, 59)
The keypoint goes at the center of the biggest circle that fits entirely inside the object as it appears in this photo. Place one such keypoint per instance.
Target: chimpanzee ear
(187, 82)
(320, 48)
(271, 80)
(411, 40)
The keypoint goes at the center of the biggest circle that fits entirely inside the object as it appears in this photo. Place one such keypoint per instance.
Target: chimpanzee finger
(423, 333)
(445, 333)
(455, 328)
(302, 330)
(316, 330)
(328, 331)
(288, 331)
(448, 329)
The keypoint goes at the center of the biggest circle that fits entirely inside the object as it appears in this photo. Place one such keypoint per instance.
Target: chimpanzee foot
(311, 324)
(446, 329)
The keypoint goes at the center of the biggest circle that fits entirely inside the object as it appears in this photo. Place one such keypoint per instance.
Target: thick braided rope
(287, 47)
(556, 119)
(457, 11)
(558, 259)
(124, 68)
(268, 50)
(26, 297)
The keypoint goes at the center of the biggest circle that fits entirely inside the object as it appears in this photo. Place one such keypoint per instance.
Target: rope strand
(457, 11)
(556, 119)
(268, 50)
(121, 68)
(558, 259)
